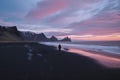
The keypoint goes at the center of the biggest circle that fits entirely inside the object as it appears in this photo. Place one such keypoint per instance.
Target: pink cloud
(108, 17)
(85, 4)
(47, 7)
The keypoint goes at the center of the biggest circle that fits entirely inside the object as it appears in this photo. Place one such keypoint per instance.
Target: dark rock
(42, 37)
(66, 39)
(53, 38)
(13, 30)
(2, 28)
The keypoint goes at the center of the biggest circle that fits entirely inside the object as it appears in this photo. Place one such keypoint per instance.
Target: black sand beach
(106, 59)
(47, 63)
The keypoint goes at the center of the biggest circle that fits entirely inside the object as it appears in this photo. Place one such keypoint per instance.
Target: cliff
(9, 34)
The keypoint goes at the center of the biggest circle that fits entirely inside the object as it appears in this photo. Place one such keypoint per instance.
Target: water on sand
(103, 52)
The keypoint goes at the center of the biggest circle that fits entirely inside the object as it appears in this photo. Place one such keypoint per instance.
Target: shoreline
(110, 60)
(47, 63)
(113, 51)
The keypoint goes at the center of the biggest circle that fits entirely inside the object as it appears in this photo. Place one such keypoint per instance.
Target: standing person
(59, 47)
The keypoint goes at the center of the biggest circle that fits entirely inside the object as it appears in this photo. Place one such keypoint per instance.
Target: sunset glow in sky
(78, 19)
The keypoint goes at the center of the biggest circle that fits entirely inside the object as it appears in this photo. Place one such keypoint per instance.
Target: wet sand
(105, 59)
(33, 61)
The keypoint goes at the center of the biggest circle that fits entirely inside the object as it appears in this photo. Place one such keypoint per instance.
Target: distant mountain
(12, 34)
(30, 36)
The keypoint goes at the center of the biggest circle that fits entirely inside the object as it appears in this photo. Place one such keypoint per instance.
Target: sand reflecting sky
(107, 61)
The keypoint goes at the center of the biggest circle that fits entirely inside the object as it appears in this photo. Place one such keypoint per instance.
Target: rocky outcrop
(66, 39)
(53, 38)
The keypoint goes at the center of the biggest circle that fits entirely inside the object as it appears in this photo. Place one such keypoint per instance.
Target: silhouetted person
(59, 47)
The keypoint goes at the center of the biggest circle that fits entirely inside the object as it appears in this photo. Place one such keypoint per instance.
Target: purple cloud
(108, 23)
(46, 8)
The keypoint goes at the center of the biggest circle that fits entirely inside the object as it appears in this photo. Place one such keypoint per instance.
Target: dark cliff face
(42, 37)
(12, 29)
(9, 33)
(53, 38)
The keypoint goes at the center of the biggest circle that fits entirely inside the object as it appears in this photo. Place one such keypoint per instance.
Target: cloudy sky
(78, 19)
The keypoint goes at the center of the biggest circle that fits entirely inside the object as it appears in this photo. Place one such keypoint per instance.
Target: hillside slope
(9, 34)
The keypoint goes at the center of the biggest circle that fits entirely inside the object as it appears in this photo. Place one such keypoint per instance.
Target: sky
(77, 19)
